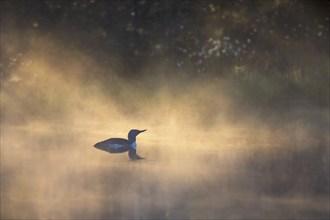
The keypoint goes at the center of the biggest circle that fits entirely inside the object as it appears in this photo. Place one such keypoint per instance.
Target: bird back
(114, 145)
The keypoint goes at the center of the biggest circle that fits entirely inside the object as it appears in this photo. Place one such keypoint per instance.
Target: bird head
(133, 133)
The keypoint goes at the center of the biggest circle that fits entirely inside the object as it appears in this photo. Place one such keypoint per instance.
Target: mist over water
(211, 152)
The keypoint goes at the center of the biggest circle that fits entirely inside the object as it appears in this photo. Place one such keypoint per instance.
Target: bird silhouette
(120, 145)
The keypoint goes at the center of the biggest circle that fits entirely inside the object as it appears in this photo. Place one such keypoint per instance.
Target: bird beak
(143, 130)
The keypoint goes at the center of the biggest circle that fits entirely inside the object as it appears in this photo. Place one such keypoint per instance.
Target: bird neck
(133, 145)
(131, 140)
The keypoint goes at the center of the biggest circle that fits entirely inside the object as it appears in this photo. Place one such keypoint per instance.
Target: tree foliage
(202, 36)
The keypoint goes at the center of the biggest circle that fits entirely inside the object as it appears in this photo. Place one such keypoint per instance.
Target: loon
(120, 145)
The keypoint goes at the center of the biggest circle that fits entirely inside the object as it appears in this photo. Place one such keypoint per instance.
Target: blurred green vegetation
(267, 46)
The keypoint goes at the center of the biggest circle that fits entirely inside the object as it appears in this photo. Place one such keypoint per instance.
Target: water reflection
(59, 174)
